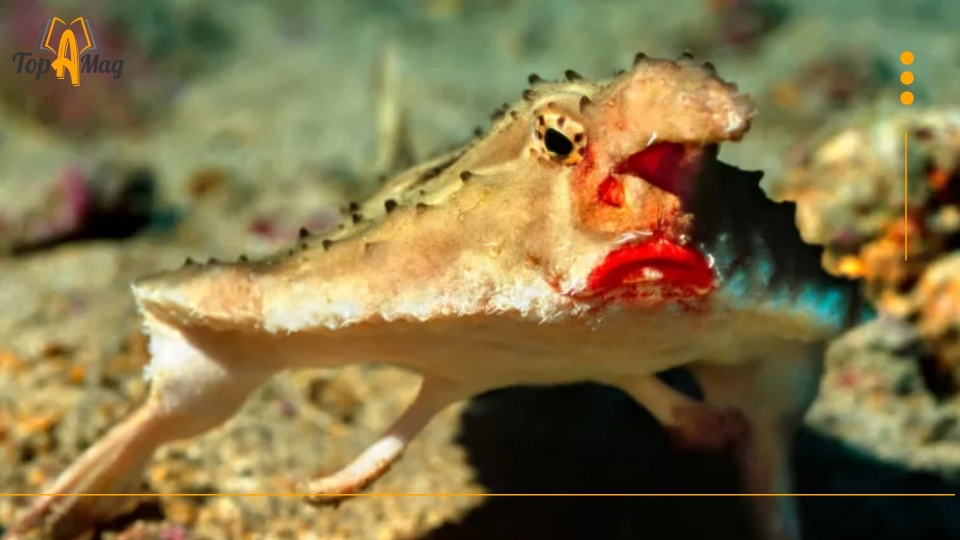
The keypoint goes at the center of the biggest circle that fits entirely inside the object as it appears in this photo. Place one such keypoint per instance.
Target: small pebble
(76, 374)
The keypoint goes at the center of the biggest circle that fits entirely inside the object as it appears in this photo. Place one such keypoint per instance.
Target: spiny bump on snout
(639, 57)
(500, 112)
(304, 233)
(529, 95)
(390, 205)
(533, 78)
(584, 103)
(465, 175)
(326, 243)
(572, 75)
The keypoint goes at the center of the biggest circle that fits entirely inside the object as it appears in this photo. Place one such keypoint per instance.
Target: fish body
(591, 235)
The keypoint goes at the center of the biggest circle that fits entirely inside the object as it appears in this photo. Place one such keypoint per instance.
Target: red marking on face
(610, 191)
(663, 165)
(608, 198)
(680, 271)
(589, 162)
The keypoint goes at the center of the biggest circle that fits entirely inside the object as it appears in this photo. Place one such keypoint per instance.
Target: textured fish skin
(591, 235)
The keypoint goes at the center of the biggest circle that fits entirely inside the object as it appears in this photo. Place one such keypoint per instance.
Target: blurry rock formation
(895, 226)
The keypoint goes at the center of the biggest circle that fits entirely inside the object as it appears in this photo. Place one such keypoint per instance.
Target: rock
(115, 201)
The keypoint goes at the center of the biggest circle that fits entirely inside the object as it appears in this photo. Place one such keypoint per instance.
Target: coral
(936, 308)
(113, 201)
(900, 237)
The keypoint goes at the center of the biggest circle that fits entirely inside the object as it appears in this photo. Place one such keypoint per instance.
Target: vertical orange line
(905, 222)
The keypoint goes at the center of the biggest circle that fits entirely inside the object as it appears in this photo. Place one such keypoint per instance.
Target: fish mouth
(653, 267)
(669, 166)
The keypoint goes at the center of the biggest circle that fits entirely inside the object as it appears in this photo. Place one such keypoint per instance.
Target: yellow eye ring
(560, 138)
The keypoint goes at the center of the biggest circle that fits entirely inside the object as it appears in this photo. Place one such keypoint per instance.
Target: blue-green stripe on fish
(758, 252)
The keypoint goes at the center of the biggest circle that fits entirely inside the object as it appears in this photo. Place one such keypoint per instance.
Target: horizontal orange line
(482, 495)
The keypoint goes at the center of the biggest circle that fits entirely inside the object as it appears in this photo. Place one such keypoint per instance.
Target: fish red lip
(672, 268)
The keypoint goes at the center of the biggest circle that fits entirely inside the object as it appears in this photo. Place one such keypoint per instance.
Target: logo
(74, 47)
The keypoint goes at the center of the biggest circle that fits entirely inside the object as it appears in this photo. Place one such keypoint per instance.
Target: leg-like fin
(192, 391)
(434, 395)
(774, 394)
(692, 424)
(115, 464)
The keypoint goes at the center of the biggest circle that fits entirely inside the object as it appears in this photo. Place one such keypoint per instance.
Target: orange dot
(906, 77)
(906, 57)
(906, 98)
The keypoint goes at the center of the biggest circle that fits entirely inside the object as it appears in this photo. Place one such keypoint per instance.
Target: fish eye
(561, 138)
(557, 143)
